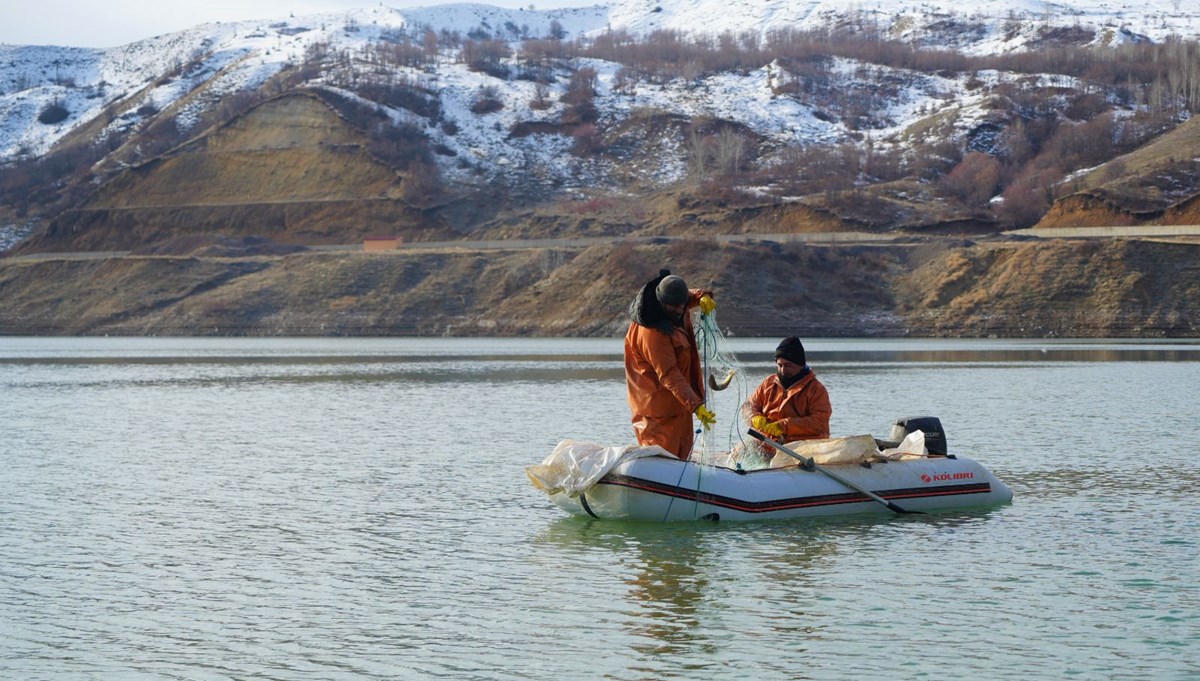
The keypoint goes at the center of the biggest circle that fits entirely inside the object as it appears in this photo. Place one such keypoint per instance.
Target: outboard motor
(935, 437)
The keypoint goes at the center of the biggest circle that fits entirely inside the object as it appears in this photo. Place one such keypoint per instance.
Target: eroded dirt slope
(943, 288)
(290, 170)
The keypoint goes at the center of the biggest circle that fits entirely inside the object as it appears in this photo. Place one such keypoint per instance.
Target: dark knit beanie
(672, 290)
(792, 350)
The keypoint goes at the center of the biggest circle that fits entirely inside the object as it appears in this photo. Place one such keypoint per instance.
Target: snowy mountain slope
(533, 23)
(32, 77)
(193, 70)
(1154, 18)
(85, 81)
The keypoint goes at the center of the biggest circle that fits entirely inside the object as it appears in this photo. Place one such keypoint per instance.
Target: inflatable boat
(648, 484)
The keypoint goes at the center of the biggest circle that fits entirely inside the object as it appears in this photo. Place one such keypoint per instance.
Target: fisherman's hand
(759, 423)
(773, 429)
(707, 418)
(707, 304)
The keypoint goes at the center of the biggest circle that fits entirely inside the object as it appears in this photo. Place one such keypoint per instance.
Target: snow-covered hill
(150, 76)
(910, 18)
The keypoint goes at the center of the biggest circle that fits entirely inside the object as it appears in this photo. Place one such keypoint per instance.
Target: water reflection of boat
(639, 484)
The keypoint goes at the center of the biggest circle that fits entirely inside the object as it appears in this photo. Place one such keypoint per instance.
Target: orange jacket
(802, 410)
(665, 380)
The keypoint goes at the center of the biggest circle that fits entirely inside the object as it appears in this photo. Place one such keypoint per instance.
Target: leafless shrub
(401, 51)
(401, 92)
(57, 178)
(487, 101)
(974, 180)
(422, 186)
(401, 146)
(486, 56)
(1086, 106)
(586, 139)
(541, 97)
(813, 169)
(580, 97)
(882, 165)
(1028, 198)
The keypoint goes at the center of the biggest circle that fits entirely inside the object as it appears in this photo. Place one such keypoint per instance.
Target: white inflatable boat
(646, 483)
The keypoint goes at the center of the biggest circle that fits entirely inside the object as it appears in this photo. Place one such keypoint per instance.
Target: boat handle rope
(583, 502)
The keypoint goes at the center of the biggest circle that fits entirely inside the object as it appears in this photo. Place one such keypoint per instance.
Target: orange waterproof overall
(665, 382)
(802, 410)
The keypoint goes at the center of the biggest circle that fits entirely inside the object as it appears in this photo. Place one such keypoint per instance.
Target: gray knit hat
(672, 290)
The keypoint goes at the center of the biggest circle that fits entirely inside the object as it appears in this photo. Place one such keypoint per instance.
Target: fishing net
(727, 388)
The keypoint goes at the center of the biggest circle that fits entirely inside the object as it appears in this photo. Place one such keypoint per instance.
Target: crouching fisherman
(791, 404)
(662, 364)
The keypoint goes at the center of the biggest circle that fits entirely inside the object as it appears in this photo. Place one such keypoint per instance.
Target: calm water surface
(358, 509)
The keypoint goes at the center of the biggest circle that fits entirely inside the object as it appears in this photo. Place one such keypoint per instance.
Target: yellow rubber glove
(759, 423)
(707, 418)
(707, 304)
(773, 429)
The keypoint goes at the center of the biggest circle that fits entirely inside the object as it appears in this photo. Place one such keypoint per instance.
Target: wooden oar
(809, 464)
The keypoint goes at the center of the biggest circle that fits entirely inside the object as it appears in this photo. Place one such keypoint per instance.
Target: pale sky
(108, 23)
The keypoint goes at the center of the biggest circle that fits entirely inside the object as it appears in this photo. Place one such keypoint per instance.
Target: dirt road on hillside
(838, 238)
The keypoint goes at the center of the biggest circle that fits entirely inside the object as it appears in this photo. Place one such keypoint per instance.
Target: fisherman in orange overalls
(791, 404)
(662, 364)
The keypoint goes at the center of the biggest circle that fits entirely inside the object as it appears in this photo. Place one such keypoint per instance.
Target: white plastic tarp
(911, 447)
(852, 449)
(830, 452)
(575, 466)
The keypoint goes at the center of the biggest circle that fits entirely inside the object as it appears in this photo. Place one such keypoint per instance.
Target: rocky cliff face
(933, 288)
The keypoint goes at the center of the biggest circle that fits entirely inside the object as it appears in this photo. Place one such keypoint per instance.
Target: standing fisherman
(662, 364)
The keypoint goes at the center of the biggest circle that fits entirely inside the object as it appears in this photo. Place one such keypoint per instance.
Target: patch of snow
(12, 234)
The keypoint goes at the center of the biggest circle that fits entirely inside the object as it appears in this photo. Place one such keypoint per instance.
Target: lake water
(358, 509)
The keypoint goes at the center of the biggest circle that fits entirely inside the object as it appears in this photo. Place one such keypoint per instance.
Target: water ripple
(351, 519)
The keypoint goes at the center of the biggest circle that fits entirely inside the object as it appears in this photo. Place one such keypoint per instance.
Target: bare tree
(541, 97)
(729, 152)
